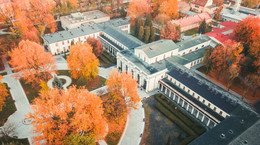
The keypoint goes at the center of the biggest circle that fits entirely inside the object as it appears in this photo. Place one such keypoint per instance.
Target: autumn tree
(3, 93)
(206, 58)
(218, 2)
(254, 49)
(162, 19)
(96, 45)
(217, 13)
(82, 62)
(78, 139)
(146, 34)
(170, 8)
(251, 3)
(59, 115)
(141, 33)
(170, 31)
(31, 63)
(44, 86)
(138, 24)
(138, 8)
(148, 20)
(248, 30)
(202, 27)
(122, 95)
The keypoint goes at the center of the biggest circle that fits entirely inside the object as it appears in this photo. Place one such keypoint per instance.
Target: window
(79, 39)
(174, 82)
(156, 59)
(94, 35)
(198, 97)
(202, 45)
(172, 54)
(164, 56)
(162, 76)
(214, 109)
(220, 112)
(85, 37)
(171, 79)
(191, 50)
(179, 85)
(226, 116)
(209, 104)
(167, 76)
(139, 55)
(196, 48)
(188, 91)
(144, 59)
(203, 101)
(68, 41)
(183, 88)
(62, 42)
(183, 53)
(56, 44)
(193, 94)
(191, 63)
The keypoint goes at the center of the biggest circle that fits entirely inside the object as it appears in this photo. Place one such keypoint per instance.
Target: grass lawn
(8, 109)
(237, 86)
(12, 141)
(90, 85)
(106, 59)
(195, 31)
(181, 118)
(30, 92)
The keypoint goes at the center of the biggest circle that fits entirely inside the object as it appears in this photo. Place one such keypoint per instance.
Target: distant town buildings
(75, 20)
(203, 6)
(192, 21)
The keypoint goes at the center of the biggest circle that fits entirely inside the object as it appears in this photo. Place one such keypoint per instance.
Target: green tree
(78, 139)
(138, 24)
(146, 34)
(148, 20)
(152, 34)
(202, 27)
(206, 58)
(141, 33)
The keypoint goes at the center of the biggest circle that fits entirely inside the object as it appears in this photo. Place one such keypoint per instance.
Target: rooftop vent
(230, 131)
(222, 136)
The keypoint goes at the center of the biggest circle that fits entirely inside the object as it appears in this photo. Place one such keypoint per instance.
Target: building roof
(195, 101)
(124, 38)
(82, 31)
(242, 127)
(158, 47)
(248, 11)
(143, 66)
(207, 90)
(200, 2)
(224, 33)
(187, 21)
(197, 54)
(192, 42)
(177, 59)
(229, 13)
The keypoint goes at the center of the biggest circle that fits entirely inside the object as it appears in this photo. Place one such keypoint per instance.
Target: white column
(173, 97)
(165, 90)
(197, 114)
(162, 88)
(182, 103)
(208, 122)
(178, 101)
(192, 110)
(187, 106)
(202, 119)
(170, 93)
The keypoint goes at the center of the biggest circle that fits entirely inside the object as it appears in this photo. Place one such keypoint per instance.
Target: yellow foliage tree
(3, 93)
(82, 62)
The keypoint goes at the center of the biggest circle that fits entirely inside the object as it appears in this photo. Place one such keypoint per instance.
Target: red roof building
(224, 32)
(191, 22)
(200, 2)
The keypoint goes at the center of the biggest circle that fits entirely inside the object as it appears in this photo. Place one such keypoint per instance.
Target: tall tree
(146, 34)
(170, 8)
(162, 19)
(206, 58)
(202, 27)
(82, 62)
(3, 93)
(32, 63)
(138, 24)
(218, 2)
(152, 34)
(96, 45)
(148, 20)
(217, 13)
(57, 114)
(170, 31)
(254, 48)
(141, 33)
(122, 95)
(247, 31)
(138, 8)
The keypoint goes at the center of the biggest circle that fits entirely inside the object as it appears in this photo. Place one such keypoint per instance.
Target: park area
(166, 125)
(237, 86)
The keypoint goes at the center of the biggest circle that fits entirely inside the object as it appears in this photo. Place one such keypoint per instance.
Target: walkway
(135, 123)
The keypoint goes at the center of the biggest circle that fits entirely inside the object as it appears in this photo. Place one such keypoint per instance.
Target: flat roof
(158, 47)
(192, 42)
(82, 31)
(195, 54)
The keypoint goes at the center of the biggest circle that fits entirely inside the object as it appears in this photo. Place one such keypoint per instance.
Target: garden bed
(12, 141)
(8, 109)
(30, 92)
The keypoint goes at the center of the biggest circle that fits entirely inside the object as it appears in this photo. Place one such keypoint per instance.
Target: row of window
(196, 62)
(68, 42)
(198, 98)
(191, 49)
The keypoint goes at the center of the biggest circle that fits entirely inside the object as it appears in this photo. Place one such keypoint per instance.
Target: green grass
(113, 138)
(90, 85)
(181, 118)
(8, 109)
(107, 59)
(30, 92)
(195, 31)
(4, 73)
(12, 141)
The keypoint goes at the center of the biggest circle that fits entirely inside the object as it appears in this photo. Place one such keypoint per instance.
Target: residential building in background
(75, 20)
(203, 6)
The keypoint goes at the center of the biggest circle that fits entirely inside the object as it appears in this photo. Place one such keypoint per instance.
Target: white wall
(194, 48)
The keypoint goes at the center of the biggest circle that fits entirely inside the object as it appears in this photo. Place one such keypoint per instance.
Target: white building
(61, 41)
(75, 20)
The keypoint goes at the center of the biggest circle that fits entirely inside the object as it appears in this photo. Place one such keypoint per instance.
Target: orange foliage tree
(97, 47)
(170, 8)
(138, 8)
(170, 31)
(3, 93)
(82, 62)
(248, 30)
(123, 95)
(31, 62)
(59, 114)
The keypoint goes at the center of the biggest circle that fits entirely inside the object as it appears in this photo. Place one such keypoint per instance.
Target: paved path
(67, 83)
(135, 124)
